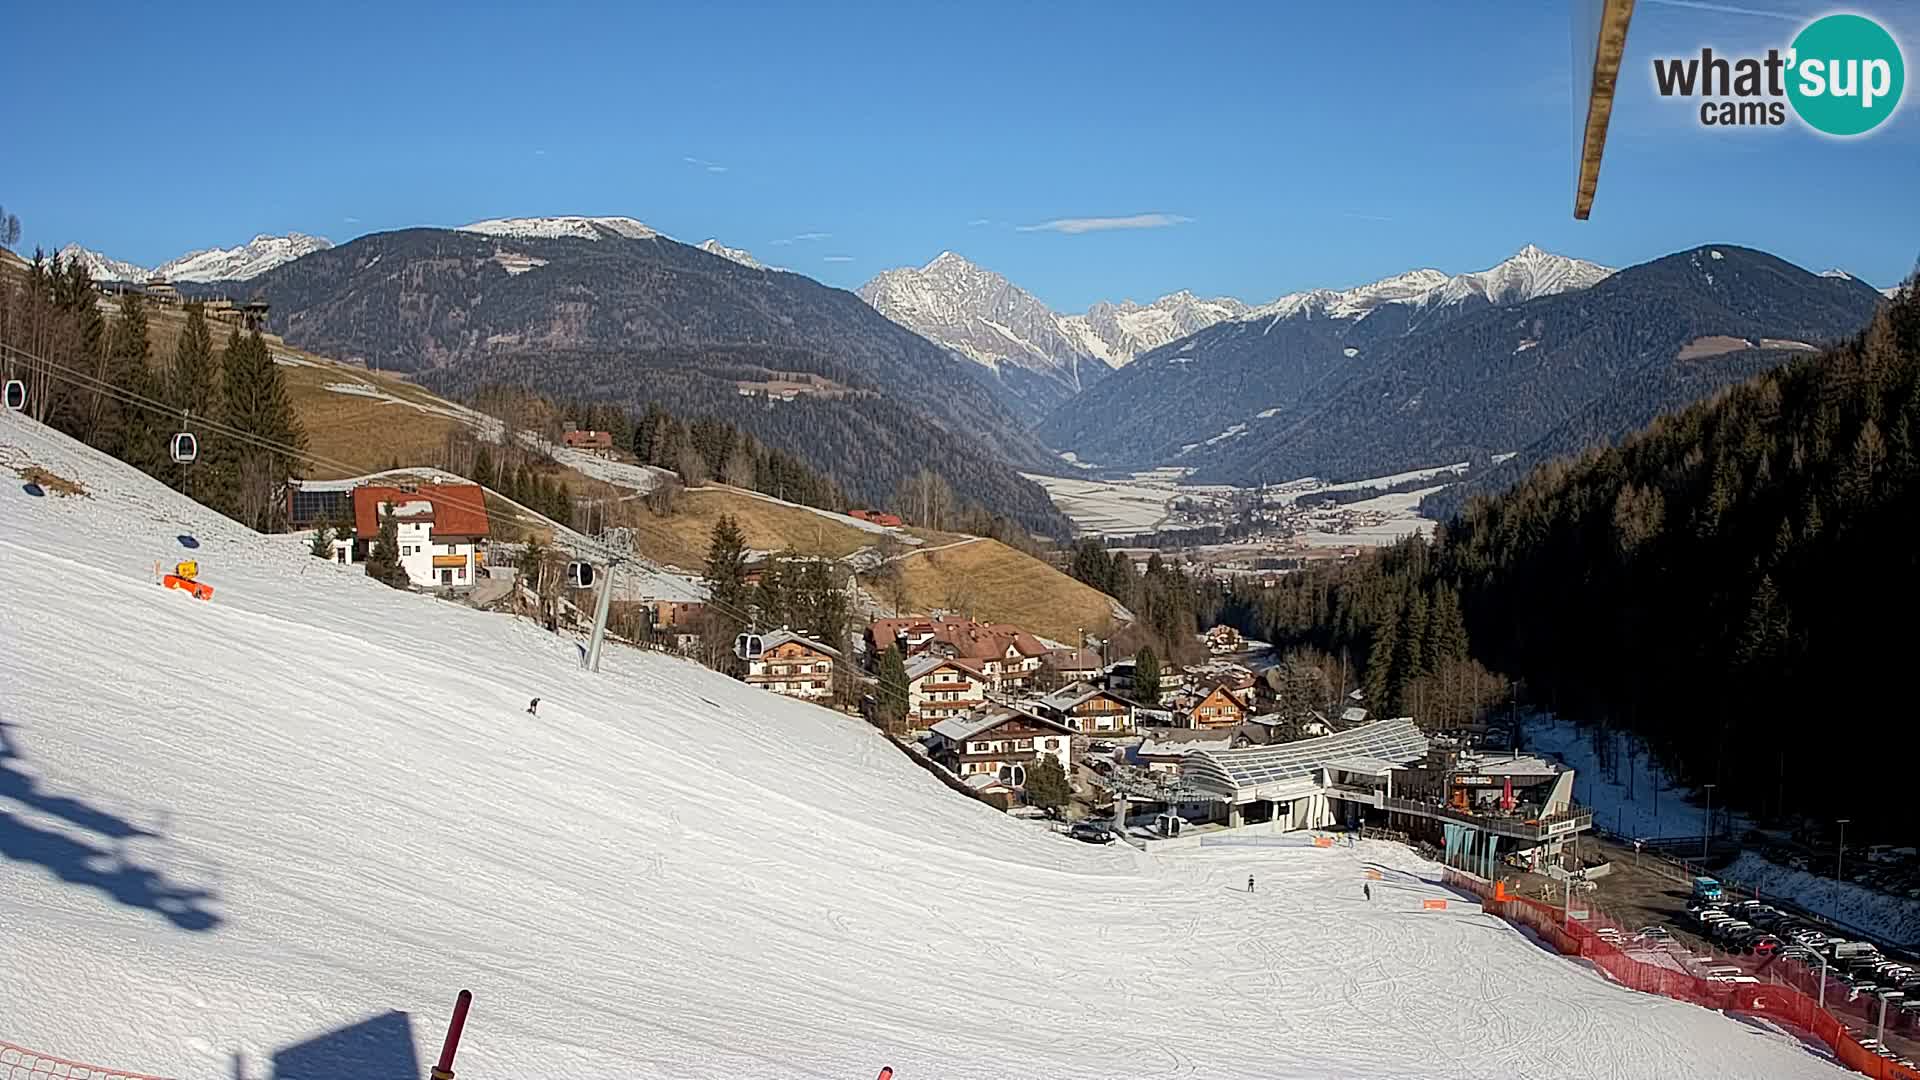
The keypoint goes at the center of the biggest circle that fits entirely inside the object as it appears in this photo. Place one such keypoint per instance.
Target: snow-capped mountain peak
(739, 255)
(249, 260)
(566, 226)
(1531, 272)
(101, 267)
(1836, 272)
(983, 316)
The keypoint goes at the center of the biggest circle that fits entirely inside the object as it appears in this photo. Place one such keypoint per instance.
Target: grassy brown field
(682, 538)
(995, 583)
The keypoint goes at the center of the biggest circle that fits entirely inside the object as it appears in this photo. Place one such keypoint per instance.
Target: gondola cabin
(185, 448)
(748, 646)
(580, 575)
(16, 395)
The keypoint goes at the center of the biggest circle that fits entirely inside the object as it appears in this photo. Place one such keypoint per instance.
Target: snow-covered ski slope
(235, 826)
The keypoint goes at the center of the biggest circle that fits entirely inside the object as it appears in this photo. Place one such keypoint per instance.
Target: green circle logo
(1847, 74)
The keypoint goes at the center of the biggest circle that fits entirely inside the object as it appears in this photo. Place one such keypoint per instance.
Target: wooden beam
(1609, 49)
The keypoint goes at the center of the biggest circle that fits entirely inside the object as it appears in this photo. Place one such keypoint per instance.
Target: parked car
(1091, 832)
(1765, 945)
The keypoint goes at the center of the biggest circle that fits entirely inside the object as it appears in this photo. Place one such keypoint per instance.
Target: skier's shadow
(78, 861)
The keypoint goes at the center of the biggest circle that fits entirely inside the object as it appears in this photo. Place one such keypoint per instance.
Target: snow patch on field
(314, 800)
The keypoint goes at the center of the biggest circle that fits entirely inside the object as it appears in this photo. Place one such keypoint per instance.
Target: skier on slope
(1366, 890)
(533, 707)
(1249, 882)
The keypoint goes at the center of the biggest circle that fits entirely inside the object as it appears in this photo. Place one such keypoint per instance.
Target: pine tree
(255, 401)
(144, 440)
(192, 389)
(1146, 676)
(321, 546)
(892, 696)
(727, 591)
(126, 362)
(1047, 786)
(383, 559)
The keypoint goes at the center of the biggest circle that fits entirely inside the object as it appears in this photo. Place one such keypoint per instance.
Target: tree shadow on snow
(377, 1048)
(80, 862)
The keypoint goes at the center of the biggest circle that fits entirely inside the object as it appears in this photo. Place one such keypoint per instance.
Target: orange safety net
(1789, 1000)
(20, 1063)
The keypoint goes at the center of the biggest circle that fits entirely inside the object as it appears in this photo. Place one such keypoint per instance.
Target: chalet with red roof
(597, 443)
(442, 530)
(1007, 656)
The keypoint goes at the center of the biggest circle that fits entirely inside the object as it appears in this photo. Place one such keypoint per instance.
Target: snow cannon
(185, 577)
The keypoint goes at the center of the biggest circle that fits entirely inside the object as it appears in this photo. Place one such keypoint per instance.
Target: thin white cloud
(710, 166)
(836, 258)
(353, 221)
(539, 153)
(802, 238)
(1364, 217)
(1075, 226)
(977, 222)
(1730, 9)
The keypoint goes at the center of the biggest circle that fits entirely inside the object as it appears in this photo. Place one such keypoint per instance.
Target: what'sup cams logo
(1842, 75)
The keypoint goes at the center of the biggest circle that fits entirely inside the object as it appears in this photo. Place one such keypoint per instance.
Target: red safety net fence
(20, 1063)
(1784, 996)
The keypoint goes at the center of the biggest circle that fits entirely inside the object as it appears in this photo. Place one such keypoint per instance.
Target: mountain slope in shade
(591, 313)
(1192, 399)
(1553, 373)
(102, 267)
(732, 254)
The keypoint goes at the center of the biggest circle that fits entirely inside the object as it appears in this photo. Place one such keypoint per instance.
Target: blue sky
(1261, 147)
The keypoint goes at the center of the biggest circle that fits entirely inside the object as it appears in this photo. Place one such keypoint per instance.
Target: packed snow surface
(235, 828)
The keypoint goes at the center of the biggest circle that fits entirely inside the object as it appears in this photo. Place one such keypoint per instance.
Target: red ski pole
(444, 1070)
(886, 1073)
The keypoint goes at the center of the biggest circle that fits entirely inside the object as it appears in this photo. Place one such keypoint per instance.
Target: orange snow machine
(183, 578)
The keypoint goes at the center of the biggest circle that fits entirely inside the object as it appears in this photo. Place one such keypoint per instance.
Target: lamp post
(1706, 838)
(1839, 854)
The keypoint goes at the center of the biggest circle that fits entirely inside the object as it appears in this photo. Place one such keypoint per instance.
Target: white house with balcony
(793, 665)
(441, 530)
(1003, 744)
(940, 687)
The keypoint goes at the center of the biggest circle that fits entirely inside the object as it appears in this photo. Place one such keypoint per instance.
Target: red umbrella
(1506, 797)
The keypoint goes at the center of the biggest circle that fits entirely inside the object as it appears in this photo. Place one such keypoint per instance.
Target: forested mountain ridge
(1401, 387)
(643, 317)
(1720, 583)
(1506, 378)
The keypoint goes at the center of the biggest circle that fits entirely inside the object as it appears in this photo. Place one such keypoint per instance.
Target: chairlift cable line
(126, 396)
(133, 398)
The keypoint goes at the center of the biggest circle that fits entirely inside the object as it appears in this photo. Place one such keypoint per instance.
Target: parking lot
(1652, 893)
